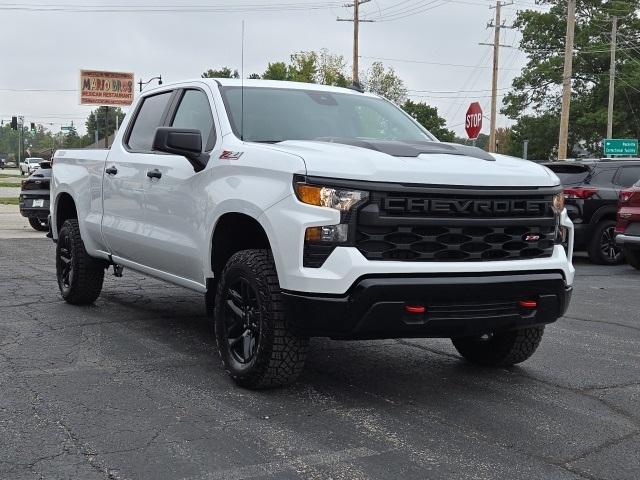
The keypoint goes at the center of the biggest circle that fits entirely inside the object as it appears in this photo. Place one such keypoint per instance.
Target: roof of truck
(234, 82)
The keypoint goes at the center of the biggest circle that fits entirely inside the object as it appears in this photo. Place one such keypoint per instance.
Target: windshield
(279, 114)
(34, 160)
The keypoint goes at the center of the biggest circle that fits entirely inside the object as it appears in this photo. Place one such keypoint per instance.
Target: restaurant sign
(106, 88)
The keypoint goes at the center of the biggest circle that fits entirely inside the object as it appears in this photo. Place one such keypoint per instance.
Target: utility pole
(497, 25)
(356, 34)
(106, 127)
(566, 82)
(612, 77)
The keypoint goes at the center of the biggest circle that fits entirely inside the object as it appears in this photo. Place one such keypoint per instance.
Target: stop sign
(473, 121)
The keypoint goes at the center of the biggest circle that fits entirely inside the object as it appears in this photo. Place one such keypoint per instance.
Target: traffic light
(33, 127)
(14, 123)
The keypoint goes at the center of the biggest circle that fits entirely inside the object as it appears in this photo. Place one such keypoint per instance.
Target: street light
(159, 78)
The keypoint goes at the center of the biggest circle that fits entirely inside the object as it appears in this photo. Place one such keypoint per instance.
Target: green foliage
(97, 119)
(428, 117)
(224, 72)
(386, 83)
(536, 92)
(303, 67)
(310, 67)
(276, 71)
(542, 133)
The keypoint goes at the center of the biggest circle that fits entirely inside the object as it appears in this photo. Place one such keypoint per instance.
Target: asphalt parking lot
(132, 388)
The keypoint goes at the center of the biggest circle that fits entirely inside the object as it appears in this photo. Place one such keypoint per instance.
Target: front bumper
(455, 306)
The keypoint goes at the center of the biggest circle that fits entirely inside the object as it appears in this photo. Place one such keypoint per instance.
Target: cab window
(194, 112)
(150, 116)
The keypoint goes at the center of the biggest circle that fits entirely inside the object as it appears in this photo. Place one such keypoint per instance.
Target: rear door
(174, 193)
(124, 226)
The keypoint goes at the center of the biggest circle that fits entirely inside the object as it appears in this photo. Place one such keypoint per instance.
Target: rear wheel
(602, 247)
(633, 257)
(80, 276)
(258, 348)
(38, 224)
(500, 349)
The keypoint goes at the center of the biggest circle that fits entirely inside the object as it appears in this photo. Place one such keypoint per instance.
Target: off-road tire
(87, 274)
(280, 353)
(633, 257)
(501, 349)
(39, 225)
(594, 249)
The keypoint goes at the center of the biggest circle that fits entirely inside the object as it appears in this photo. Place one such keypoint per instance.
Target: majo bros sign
(106, 88)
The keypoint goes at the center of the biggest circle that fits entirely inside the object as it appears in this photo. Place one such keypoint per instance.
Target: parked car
(591, 189)
(315, 211)
(628, 226)
(29, 165)
(34, 198)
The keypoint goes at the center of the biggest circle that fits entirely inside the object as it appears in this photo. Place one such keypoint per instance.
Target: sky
(47, 42)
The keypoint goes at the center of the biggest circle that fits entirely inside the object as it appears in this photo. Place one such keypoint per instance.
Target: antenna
(242, 86)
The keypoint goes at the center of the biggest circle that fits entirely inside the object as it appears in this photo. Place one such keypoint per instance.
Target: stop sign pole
(473, 121)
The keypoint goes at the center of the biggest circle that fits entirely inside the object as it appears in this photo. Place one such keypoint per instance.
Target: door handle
(154, 174)
(111, 171)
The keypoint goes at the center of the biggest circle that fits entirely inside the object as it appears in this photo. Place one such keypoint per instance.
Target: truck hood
(337, 160)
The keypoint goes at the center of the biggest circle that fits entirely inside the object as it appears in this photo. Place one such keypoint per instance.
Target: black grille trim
(457, 235)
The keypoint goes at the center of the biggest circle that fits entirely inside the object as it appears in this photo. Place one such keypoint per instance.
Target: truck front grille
(473, 228)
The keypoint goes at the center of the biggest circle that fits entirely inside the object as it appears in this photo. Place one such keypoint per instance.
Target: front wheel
(38, 224)
(602, 247)
(500, 349)
(80, 276)
(257, 346)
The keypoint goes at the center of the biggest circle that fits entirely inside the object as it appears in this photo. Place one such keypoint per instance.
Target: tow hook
(117, 270)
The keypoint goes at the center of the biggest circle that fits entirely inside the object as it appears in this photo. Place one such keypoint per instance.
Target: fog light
(328, 234)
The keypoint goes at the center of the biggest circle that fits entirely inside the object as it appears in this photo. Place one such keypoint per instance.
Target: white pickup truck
(303, 210)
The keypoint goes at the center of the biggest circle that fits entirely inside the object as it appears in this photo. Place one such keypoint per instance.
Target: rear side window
(570, 174)
(194, 112)
(149, 118)
(627, 176)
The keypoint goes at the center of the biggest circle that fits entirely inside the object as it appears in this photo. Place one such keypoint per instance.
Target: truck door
(175, 198)
(124, 227)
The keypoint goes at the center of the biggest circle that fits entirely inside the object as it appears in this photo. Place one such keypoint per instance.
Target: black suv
(591, 189)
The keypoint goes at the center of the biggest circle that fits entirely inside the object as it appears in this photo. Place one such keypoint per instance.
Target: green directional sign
(66, 129)
(627, 148)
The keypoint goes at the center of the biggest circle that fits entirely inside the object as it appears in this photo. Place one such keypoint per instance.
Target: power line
(440, 64)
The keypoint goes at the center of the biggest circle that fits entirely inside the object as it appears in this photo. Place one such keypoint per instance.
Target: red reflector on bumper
(415, 309)
(528, 303)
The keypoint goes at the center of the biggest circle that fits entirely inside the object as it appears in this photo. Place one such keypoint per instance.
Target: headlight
(338, 199)
(558, 203)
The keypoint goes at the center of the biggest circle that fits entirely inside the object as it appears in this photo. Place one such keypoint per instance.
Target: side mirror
(182, 141)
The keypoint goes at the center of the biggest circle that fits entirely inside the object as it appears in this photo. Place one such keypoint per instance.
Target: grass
(9, 201)
(10, 184)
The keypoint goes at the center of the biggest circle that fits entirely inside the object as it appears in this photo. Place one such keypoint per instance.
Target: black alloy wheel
(242, 320)
(608, 248)
(64, 264)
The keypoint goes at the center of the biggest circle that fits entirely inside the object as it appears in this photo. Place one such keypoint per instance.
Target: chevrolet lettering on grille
(466, 207)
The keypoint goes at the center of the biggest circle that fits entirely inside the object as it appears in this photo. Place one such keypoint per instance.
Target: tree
(428, 117)
(96, 121)
(541, 132)
(276, 71)
(536, 92)
(224, 72)
(331, 69)
(303, 67)
(385, 83)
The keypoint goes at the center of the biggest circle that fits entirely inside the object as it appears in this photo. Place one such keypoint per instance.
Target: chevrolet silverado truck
(305, 211)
